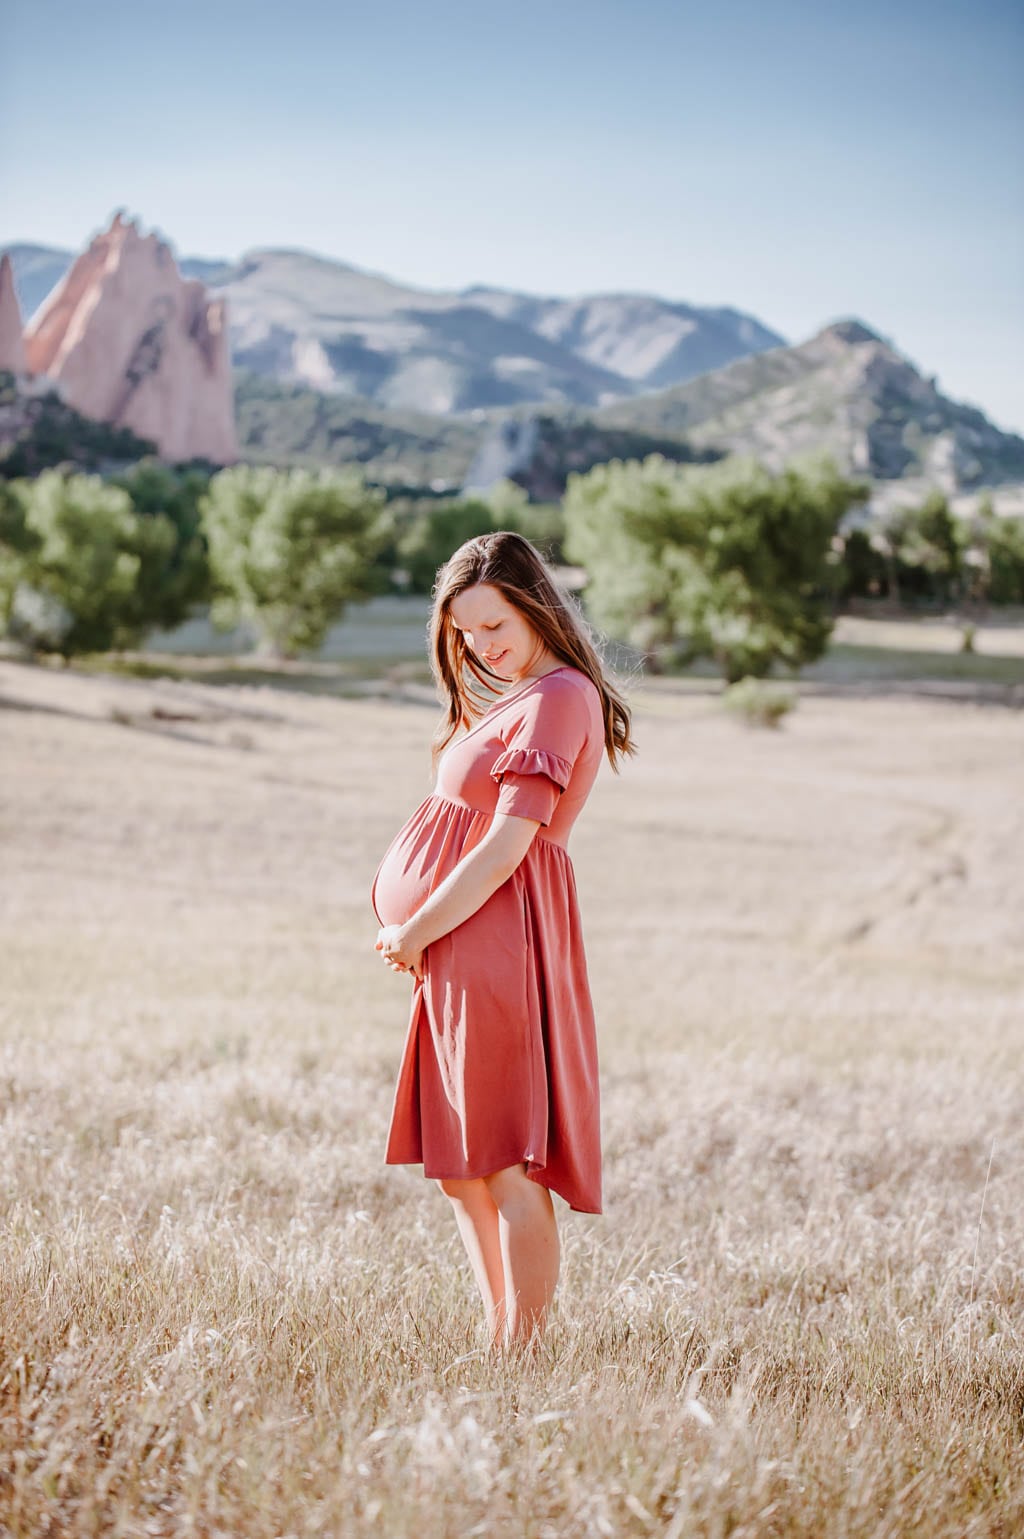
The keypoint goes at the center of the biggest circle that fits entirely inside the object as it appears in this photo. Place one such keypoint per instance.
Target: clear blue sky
(802, 161)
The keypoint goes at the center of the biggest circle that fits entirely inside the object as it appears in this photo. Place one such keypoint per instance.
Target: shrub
(757, 703)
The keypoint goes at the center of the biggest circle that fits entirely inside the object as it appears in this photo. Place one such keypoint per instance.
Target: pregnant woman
(497, 1093)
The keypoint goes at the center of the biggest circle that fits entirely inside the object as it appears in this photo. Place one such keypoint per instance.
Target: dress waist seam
(453, 801)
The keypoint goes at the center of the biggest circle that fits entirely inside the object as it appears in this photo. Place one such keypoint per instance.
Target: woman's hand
(400, 953)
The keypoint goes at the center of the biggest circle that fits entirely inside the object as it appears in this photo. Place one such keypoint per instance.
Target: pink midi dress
(500, 1060)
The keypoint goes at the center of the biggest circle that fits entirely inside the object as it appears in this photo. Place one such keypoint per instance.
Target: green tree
(289, 549)
(78, 588)
(1006, 556)
(992, 557)
(727, 560)
(18, 543)
(926, 550)
(170, 583)
(863, 566)
(431, 532)
(432, 535)
(543, 523)
(1005, 545)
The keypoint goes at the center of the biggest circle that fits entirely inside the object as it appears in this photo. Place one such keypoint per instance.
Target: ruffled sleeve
(541, 744)
(531, 782)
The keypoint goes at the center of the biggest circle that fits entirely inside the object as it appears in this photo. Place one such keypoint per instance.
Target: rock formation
(128, 341)
(508, 447)
(12, 347)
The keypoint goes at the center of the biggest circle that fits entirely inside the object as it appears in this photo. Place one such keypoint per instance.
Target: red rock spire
(129, 341)
(12, 345)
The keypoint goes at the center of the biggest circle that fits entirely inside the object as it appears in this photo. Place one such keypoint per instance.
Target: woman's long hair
(508, 562)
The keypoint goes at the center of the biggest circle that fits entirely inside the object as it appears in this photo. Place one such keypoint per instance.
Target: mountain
(335, 327)
(303, 319)
(309, 320)
(649, 341)
(422, 387)
(846, 392)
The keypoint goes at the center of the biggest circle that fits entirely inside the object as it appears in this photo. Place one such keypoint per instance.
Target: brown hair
(509, 563)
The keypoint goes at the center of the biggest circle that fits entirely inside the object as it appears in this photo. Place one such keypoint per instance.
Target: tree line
(725, 560)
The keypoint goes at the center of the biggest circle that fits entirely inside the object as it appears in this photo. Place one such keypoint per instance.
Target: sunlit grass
(220, 1313)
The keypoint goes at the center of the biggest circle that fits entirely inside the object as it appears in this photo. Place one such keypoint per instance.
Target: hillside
(289, 425)
(846, 392)
(40, 431)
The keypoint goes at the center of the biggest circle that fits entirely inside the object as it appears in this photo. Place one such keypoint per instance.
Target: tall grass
(220, 1314)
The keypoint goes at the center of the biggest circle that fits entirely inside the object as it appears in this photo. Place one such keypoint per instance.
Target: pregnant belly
(422, 854)
(402, 884)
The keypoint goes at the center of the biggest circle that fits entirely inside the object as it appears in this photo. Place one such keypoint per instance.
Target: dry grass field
(221, 1314)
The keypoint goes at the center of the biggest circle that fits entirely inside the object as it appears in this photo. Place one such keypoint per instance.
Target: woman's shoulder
(569, 695)
(566, 676)
(565, 695)
(567, 680)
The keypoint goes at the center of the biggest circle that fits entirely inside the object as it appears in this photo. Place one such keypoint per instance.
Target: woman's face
(497, 632)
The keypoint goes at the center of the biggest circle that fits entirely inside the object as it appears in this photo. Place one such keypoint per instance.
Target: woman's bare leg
(530, 1253)
(477, 1217)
